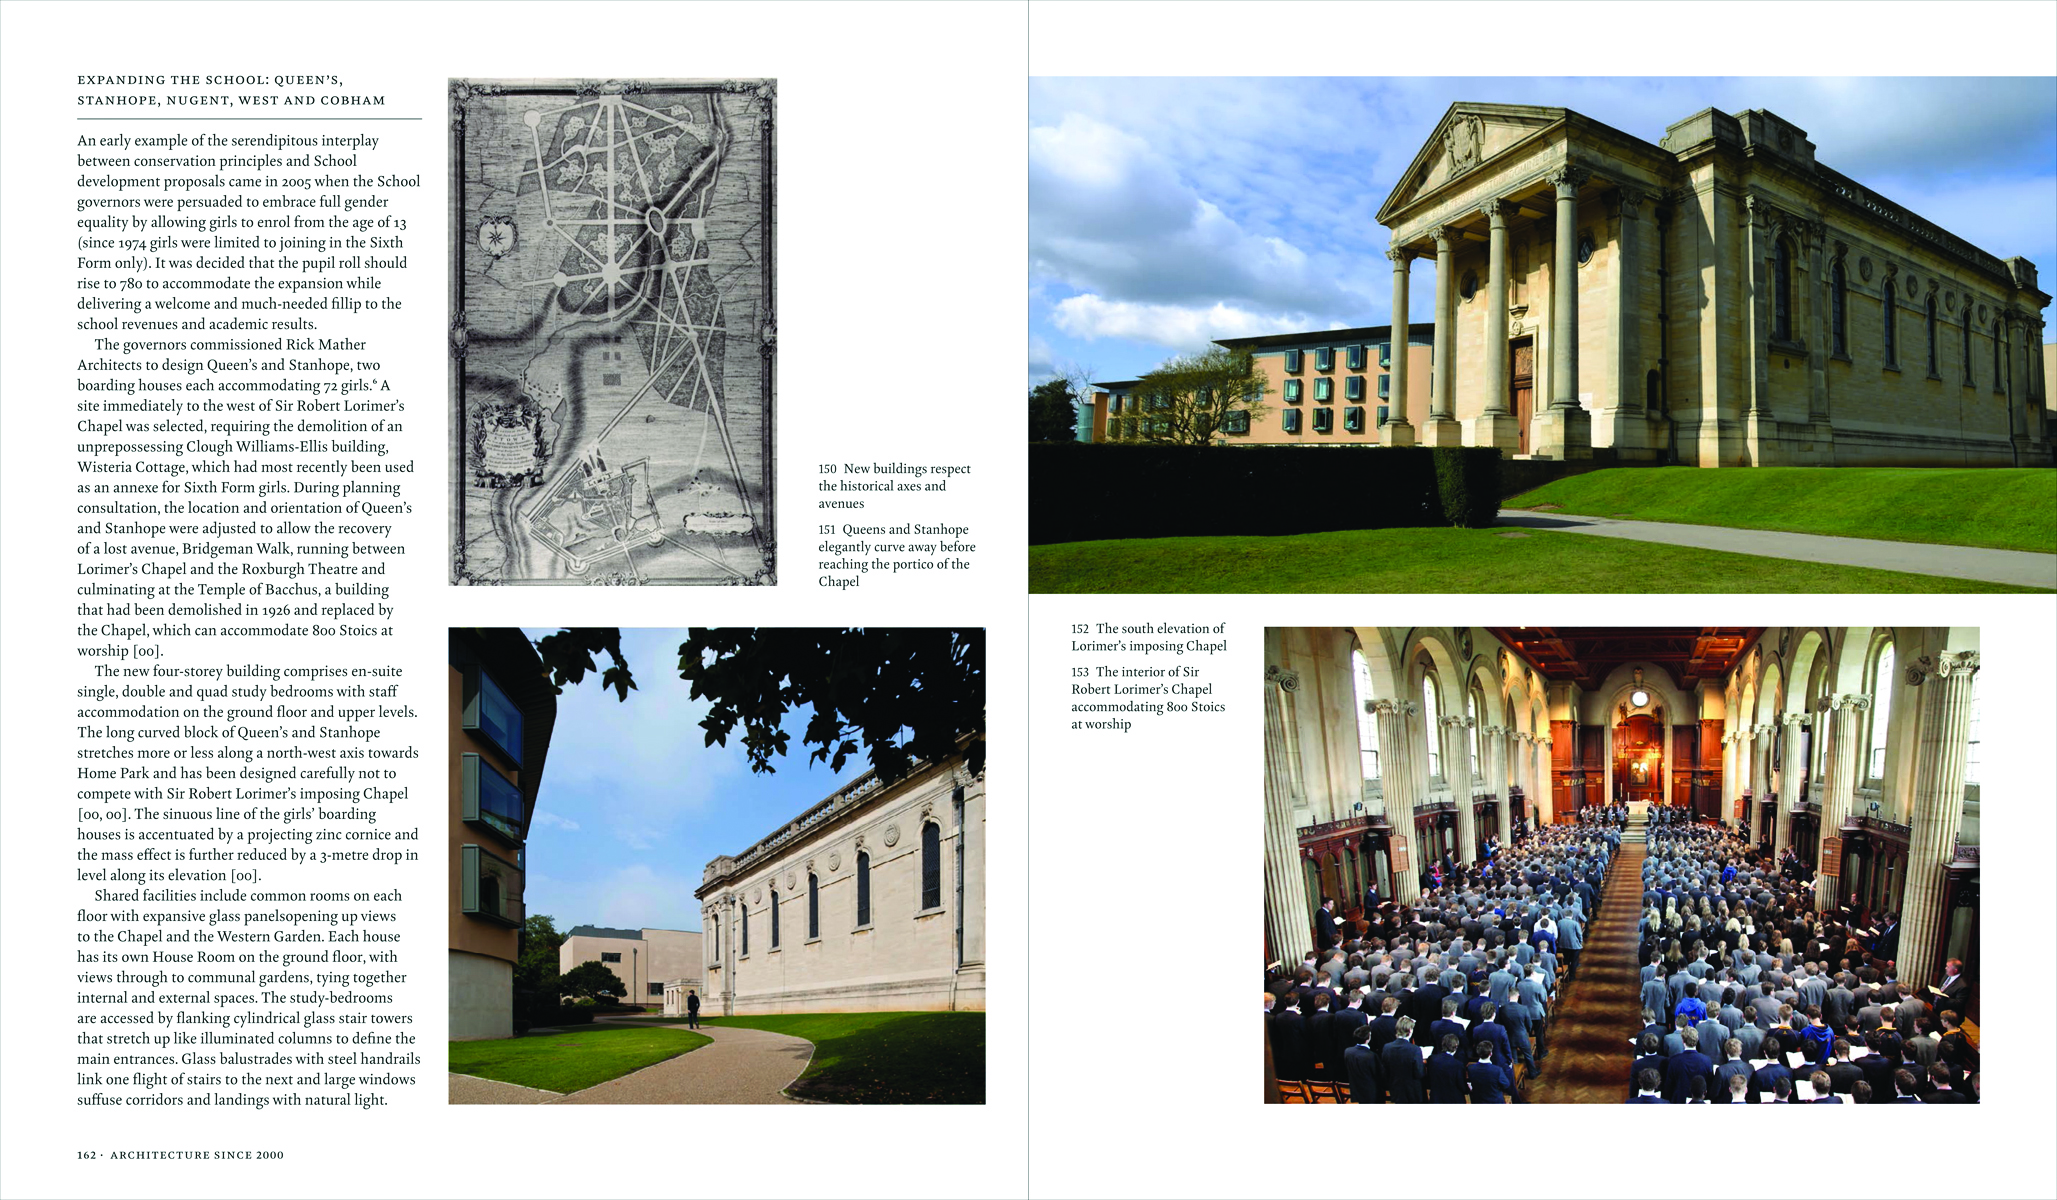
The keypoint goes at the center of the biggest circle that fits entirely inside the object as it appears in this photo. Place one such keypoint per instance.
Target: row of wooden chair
(1324, 1091)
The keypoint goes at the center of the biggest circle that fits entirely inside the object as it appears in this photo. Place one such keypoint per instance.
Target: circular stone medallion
(892, 835)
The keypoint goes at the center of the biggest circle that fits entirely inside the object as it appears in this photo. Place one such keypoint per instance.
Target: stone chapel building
(1719, 298)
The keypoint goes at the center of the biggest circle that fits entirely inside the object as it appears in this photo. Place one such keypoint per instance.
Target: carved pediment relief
(1469, 137)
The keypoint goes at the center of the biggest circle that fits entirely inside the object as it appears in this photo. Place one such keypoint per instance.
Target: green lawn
(571, 1062)
(885, 1058)
(1440, 561)
(2002, 508)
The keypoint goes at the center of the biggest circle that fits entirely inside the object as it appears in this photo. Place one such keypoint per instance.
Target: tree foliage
(1053, 412)
(568, 658)
(1192, 399)
(902, 695)
(535, 963)
(591, 979)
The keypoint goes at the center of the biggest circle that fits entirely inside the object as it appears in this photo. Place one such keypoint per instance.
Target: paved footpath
(742, 1066)
(2019, 567)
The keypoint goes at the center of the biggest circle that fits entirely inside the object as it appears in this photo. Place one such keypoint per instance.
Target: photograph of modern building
(1756, 811)
(612, 945)
(501, 716)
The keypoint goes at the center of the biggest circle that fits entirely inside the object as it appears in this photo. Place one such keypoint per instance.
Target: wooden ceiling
(1586, 656)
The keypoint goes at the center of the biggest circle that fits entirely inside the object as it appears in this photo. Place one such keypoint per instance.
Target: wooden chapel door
(1521, 382)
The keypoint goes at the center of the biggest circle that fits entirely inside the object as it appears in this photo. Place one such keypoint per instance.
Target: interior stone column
(1728, 775)
(1286, 910)
(1460, 784)
(1760, 770)
(1564, 429)
(1746, 778)
(1846, 718)
(1788, 784)
(1442, 428)
(1495, 425)
(1397, 432)
(1496, 775)
(1546, 799)
(1944, 687)
(1397, 770)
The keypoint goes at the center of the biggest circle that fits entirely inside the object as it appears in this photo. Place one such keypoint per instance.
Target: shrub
(1092, 492)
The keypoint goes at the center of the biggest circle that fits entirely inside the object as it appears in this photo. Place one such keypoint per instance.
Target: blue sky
(633, 805)
(1167, 212)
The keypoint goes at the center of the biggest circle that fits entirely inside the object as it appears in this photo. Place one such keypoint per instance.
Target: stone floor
(1600, 1012)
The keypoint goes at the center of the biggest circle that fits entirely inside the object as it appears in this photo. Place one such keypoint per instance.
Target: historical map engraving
(612, 332)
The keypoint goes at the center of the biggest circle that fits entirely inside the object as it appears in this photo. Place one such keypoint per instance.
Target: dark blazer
(1648, 1100)
(1426, 1007)
(1764, 1082)
(1654, 1062)
(1447, 1083)
(1492, 1031)
(1383, 1030)
(1441, 1027)
(1490, 1083)
(1681, 1069)
(1318, 1044)
(1289, 1045)
(1400, 1063)
(1843, 1076)
(1342, 1027)
(1361, 1064)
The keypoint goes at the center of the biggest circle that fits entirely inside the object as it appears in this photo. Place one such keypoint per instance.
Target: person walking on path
(692, 1009)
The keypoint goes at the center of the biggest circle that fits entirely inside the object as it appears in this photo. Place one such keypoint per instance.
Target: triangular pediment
(1469, 136)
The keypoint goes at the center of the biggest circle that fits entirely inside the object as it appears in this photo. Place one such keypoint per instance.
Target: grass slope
(571, 1062)
(2000, 508)
(1441, 561)
(885, 1058)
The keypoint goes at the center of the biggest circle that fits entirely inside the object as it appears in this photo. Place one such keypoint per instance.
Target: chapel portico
(1718, 298)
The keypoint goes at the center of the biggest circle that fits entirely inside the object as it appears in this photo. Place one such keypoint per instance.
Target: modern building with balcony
(502, 709)
(873, 900)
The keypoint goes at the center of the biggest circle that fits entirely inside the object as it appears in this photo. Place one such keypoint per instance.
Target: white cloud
(1181, 327)
(550, 820)
(1110, 214)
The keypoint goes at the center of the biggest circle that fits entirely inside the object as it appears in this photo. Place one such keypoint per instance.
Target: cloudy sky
(1164, 213)
(633, 806)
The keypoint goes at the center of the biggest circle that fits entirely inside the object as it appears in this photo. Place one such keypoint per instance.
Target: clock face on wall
(1639, 697)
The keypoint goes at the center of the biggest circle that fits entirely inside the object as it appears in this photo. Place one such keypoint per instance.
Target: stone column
(1397, 431)
(1460, 785)
(1788, 783)
(1757, 313)
(1495, 425)
(1846, 719)
(1546, 797)
(1630, 412)
(1496, 775)
(1442, 428)
(1287, 914)
(971, 972)
(1760, 785)
(1813, 252)
(1944, 686)
(1729, 790)
(1564, 429)
(1395, 770)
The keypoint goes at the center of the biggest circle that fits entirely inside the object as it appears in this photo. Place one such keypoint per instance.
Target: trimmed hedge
(1081, 493)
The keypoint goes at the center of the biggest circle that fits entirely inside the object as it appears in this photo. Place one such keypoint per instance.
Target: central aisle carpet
(1601, 1011)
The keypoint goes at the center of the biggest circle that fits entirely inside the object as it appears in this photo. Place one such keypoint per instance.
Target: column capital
(1792, 718)
(1495, 212)
(1456, 722)
(1956, 662)
(1380, 708)
(1443, 236)
(1567, 179)
(1400, 256)
(1286, 680)
(1628, 202)
(1853, 702)
(1409, 708)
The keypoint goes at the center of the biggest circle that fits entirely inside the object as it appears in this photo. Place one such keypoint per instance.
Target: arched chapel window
(1367, 723)
(1932, 334)
(1782, 292)
(1838, 321)
(931, 866)
(1892, 324)
(774, 919)
(1477, 757)
(1432, 715)
(863, 888)
(1881, 712)
(743, 927)
(813, 907)
(1967, 343)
